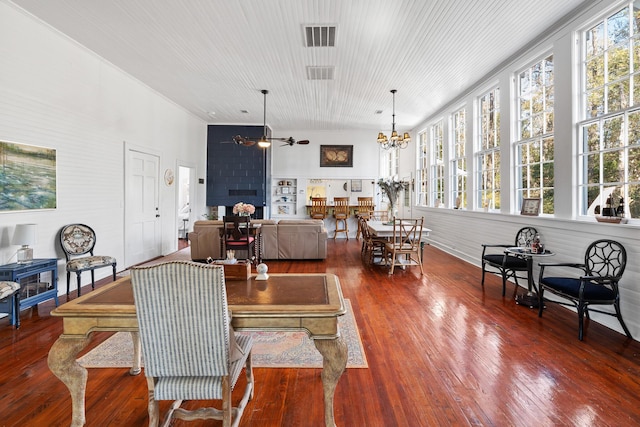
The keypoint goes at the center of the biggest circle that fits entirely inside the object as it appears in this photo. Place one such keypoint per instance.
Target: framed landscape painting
(336, 156)
(27, 177)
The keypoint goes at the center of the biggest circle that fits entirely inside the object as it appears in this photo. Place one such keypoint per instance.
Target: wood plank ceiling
(214, 56)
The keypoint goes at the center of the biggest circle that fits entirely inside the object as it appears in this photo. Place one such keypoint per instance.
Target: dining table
(384, 229)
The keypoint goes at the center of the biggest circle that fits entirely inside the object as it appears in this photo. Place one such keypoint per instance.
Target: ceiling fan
(265, 141)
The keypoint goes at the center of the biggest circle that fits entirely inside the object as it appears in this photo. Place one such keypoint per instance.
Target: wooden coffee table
(308, 302)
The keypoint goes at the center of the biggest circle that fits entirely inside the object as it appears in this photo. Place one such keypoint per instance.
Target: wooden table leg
(334, 361)
(135, 365)
(62, 362)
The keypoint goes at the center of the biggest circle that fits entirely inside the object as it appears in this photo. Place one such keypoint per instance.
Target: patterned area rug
(270, 349)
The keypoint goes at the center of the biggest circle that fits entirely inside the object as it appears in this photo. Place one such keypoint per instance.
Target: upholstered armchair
(189, 349)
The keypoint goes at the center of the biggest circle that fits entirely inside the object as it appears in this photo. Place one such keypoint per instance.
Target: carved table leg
(62, 362)
(135, 365)
(334, 361)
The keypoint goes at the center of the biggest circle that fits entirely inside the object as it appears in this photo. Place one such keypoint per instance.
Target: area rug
(270, 349)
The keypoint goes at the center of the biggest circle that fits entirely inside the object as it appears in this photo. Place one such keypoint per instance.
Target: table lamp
(25, 235)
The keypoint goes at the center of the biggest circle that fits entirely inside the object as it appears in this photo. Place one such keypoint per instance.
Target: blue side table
(34, 288)
(10, 301)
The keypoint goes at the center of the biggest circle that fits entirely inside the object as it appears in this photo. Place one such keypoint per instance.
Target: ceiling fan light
(264, 142)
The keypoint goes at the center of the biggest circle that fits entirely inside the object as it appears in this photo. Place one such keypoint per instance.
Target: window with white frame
(393, 162)
(534, 140)
(458, 160)
(437, 164)
(610, 126)
(488, 150)
(422, 170)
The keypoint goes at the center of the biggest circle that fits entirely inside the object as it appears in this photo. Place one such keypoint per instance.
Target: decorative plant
(241, 208)
(392, 189)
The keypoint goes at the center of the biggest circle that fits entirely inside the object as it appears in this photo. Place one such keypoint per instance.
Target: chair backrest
(183, 319)
(318, 206)
(525, 236)
(380, 215)
(77, 239)
(407, 232)
(236, 227)
(341, 206)
(605, 258)
(365, 206)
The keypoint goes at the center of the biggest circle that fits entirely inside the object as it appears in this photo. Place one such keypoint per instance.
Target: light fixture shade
(264, 143)
(25, 234)
(407, 137)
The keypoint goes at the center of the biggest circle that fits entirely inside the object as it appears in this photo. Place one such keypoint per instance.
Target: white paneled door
(142, 216)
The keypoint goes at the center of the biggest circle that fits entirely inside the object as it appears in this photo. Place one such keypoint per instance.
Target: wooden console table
(309, 302)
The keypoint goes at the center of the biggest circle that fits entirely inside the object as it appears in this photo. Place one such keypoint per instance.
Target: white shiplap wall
(55, 93)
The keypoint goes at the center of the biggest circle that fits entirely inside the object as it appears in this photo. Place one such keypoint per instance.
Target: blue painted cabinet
(38, 280)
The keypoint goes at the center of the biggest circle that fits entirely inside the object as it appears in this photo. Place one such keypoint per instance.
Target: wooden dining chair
(366, 207)
(404, 248)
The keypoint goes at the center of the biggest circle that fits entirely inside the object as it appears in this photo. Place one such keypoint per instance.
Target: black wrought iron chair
(604, 263)
(506, 265)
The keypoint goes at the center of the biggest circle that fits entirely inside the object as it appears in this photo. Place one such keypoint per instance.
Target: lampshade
(25, 234)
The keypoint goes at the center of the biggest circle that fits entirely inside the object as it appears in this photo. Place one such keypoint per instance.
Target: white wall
(461, 232)
(54, 93)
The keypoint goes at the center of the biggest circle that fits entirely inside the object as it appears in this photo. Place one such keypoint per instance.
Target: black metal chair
(604, 263)
(237, 235)
(78, 240)
(507, 265)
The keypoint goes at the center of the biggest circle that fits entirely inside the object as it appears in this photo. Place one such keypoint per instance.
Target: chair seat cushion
(202, 388)
(8, 288)
(571, 287)
(90, 262)
(240, 242)
(511, 262)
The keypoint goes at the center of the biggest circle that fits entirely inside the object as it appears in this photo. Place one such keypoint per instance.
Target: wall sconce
(25, 235)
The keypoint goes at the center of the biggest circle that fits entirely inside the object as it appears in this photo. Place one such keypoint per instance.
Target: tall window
(488, 154)
(423, 170)
(610, 126)
(437, 164)
(534, 144)
(458, 160)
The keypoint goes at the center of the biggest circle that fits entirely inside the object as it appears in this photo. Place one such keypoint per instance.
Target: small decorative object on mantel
(244, 209)
(391, 190)
(262, 272)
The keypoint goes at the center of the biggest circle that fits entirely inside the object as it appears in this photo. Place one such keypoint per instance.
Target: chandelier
(396, 141)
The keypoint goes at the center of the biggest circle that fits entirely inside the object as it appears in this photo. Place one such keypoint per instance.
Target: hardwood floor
(441, 350)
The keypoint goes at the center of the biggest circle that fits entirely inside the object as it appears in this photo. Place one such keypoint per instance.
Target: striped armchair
(187, 340)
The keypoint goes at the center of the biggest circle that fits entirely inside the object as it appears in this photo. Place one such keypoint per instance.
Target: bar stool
(341, 213)
(318, 207)
(10, 301)
(365, 209)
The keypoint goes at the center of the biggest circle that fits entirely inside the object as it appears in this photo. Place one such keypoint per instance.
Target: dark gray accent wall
(235, 173)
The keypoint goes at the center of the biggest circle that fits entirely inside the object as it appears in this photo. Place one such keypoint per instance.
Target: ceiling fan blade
(249, 142)
(303, 142)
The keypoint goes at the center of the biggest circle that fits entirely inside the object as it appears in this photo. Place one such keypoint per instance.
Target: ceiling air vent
(320, 73)
(320, 36)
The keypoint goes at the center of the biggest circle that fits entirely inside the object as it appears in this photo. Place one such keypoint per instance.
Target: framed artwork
(27, 177)
(356, 185)
(530, 207)
(336, 156)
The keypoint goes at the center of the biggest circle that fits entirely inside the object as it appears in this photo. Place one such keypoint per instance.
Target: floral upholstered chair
(78, 241)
